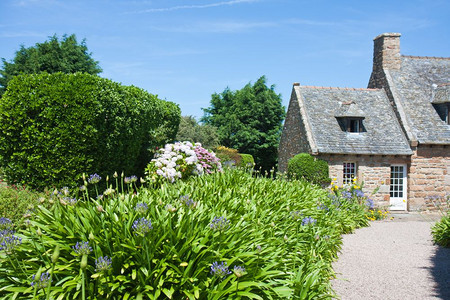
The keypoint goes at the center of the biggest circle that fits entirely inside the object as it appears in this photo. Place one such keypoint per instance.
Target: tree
(249, 120)
(52, 56)
(190, 130)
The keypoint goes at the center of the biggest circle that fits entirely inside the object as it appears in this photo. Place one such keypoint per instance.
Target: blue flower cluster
(220, 270)
(219, 224)
(347, 195)
(187, 201)
(308, 221)
(103, 263)
(82, 248)
(359, 193)
(94, 178)
(43, 282)
(142, 226)
(370, 204)
(8, 241)
(5, 223)
(141, 207)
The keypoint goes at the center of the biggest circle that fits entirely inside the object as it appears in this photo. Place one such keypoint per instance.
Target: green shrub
(441, 232)
(16, 201)
(54, 127)
(247, 161)
(305, 166)
(228, 155)
(284, 233)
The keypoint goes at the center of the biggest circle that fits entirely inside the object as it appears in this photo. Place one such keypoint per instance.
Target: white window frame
(349, 172)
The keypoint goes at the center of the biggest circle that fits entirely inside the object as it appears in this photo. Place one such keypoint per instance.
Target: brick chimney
(386, 55)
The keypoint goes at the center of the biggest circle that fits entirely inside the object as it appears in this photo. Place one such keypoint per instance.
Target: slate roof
(382, 135)
(413, 87)
(349, 110)
(441, 94)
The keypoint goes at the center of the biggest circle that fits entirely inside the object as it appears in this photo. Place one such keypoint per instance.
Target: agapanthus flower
(220, 270)
(238, 271)
(94, 178)
(103, 263)
(187, 201)
(5, 223)
(359, 193)
(171, 208)
(82, 188)
(347, 195)
(43, 281)
(219, 224)
(8, 241)
(308, 221)
(109, 191)
(82, 248)
(141, 207)
(370, 204)
(65, 191)
(142, 226)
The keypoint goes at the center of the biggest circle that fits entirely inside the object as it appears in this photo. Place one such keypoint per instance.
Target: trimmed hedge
(54, 127)
(247, 161)
(305, 166)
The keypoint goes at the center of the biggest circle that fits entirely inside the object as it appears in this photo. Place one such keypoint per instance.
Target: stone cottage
(393, 135)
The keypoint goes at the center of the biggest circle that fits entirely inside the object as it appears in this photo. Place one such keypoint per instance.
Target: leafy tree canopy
(190, 130)
(249, 120)
(51, 56)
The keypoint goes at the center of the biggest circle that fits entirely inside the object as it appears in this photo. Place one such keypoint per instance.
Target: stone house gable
(394, 135)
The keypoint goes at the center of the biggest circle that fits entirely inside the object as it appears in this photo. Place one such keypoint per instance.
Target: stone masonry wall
(293, 139)
(386, 55)
(373, 170)
(429, 175)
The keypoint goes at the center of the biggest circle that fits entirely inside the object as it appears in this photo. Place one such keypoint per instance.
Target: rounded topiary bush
(54, 127)
(247, 161)
(305, 166)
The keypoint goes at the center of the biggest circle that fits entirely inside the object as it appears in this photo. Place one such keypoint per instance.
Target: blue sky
(186, 50)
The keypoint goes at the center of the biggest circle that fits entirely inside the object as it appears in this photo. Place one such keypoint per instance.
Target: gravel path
(393, 260)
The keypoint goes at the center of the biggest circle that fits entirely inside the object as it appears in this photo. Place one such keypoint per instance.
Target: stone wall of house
(373, 171)
(293, 139)
(429, 175)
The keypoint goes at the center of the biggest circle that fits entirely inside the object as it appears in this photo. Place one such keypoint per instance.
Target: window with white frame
(349, 172)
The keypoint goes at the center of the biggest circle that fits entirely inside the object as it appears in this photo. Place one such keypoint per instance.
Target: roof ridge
(338, 88)
(426, 57)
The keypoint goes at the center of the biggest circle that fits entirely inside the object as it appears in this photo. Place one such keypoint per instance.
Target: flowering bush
(181, 160)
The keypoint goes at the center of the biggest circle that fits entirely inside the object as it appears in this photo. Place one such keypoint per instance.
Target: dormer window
(441, 101)
(350, 117)
(354, 125)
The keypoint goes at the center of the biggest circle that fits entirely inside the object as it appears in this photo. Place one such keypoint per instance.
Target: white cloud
(198, 6)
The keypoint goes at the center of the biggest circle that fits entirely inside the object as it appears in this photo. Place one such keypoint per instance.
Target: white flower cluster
(175, 159)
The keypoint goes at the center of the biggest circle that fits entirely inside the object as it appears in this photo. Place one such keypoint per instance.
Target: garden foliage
(54, 127)
(190, 130)
(249, 120)
(52, 56)
(222, 236)
(305, 166)
(16, 201)
(231, 157)
(441, 230)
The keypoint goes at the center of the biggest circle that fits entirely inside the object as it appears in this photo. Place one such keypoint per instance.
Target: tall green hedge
(54, 127)
(305, 166)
